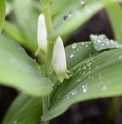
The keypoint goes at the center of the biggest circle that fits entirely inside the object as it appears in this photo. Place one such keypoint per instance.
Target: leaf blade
(2, 14)
(115, 19)
(26, 16)
(91, 78)
(20, 70)
(24, 110)
(14, 32)
(79, 18)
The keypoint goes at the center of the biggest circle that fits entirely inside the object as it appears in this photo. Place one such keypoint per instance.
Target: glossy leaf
(79, 18)
(24, 110)
(13, 31)
(26, 17)
(2, 13)
(114, 11)
(94, 77)
(101, 42)
(18, 70)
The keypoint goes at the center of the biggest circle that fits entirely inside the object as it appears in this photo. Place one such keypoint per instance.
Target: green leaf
(79, 18)
(8, 7)
(24, 110)
(94, 77)
(74, 51)
(26, 17)
(2, 13)
(101, 42)
(13, 31)
(18, 70)
(114, 11)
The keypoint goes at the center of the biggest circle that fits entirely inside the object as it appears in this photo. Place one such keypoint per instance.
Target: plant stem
(45, 103)
(50, 46)
(49, 53)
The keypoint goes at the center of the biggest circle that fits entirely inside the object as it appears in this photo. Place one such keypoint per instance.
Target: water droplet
(71, 55)
(97, 66)
(53, 85)
(98, 41)
(103, 44)
(83, 73)
(67, 16)
(71, 74)
(74, 45)
(104, 87)
(82, 43)
(79, 69)
(84, 67)
(89, 63)
(73, 51)
(89, 72)
(74, 92)
(120, 57)
(100, 76)
(15, 122)
(38, 67)
(77, 49)
(89, 77)
(85, 88)
(68, 97)
(78, 80)
(82, 2)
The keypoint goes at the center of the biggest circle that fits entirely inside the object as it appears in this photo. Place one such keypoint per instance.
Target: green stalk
(45, 104)
(50, 46)
(49, 52)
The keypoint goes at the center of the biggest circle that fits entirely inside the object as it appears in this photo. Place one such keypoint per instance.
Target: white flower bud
(59, 60)
(41, 34)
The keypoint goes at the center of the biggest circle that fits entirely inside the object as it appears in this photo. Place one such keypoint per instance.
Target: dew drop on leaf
(74, 92)
(78, 80)
(15, 122)
(68, 97)
(79, 69)
(71, 55)
(104, 87)
(85, 88)
(120, 57)
(82, 2)
(67, 17)
(84, 67)
(74, 45)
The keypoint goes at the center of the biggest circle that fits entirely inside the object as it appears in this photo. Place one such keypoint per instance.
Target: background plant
(90, 71)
